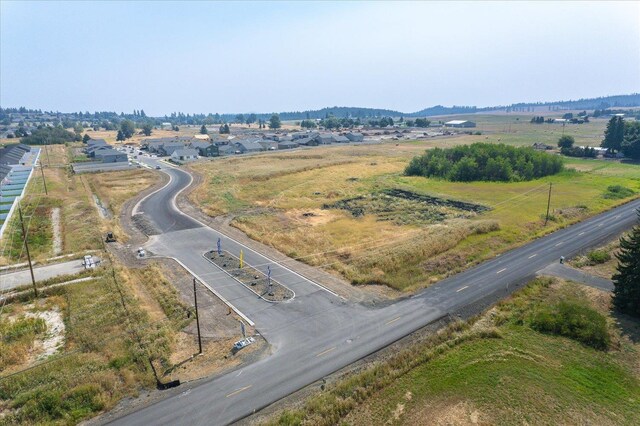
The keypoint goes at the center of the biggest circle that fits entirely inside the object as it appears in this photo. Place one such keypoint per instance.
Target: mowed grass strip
(278, 199)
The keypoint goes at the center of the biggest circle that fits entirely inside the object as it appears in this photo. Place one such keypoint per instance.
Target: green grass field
(496, 370)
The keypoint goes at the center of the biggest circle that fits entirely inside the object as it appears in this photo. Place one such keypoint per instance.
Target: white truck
(88, 262)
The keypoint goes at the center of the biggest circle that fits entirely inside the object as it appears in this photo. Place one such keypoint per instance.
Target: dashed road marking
(235, 392)
(558, 244)
(533, 255)
(600, 224)
(461, 288)
(392, 321)
(326, 352)
(582, 233)
(501, 270)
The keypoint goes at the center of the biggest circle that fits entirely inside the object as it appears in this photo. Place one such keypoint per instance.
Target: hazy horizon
(200, 57)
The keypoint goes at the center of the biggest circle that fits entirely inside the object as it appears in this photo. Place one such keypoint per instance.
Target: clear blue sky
(262, 57)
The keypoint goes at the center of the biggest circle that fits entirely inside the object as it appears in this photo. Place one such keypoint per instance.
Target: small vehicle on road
(158, 167)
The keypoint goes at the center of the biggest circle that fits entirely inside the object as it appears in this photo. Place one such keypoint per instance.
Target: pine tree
(203, 130)
(613, 134)
(120, 136)
(626, 292)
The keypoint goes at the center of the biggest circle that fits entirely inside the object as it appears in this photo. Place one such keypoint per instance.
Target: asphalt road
(317, 333)
(12, 280)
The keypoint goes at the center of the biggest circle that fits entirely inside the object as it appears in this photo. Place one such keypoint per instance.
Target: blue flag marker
(219, 247)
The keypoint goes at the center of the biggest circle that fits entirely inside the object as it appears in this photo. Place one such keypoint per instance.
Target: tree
(128, 128)
(274, 122)
(626, 281)
(631, 142)
(224, 129)
(240, 118)
(120, 136)
(422, 122)
(86, 137)
(613, 134)
(566, 142)
(308, 124)
(251, 118)
(147, 128)
(203, 130)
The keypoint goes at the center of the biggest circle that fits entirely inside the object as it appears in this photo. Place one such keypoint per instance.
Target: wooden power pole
(548, 205)
(195, 299)
(26, 246)
(44, 181)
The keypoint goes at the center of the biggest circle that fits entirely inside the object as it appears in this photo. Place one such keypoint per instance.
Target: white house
(182, 155)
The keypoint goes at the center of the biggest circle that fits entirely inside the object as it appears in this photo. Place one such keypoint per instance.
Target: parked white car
(88, 262)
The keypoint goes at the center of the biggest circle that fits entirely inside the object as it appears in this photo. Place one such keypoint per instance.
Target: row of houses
(203, 147)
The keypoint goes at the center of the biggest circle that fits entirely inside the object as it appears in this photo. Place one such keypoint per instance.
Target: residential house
(287, 145)
(245, 146)
(226, 149)
(108, 155)
(355, 137)
(205, 149)
(325, 138)
(268, 145)
(169, 148)
(307, 141)
(341, 139)
(184, 154)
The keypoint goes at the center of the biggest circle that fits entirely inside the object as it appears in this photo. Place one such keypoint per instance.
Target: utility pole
(195, 298)
(548, 205)
(47, 152)
(26, 246)
(43, 179)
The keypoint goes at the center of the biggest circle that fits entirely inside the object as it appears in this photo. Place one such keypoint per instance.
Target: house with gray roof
(355, 137)
(268, 145)
(307, 141)
(108, 155)
(245, 146)
(325, 138)
(170, 148)
(205, 149)
(287, 145)
(184, 155)
(341, 139)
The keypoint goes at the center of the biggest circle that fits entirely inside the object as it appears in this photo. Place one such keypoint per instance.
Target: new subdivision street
(317, 332)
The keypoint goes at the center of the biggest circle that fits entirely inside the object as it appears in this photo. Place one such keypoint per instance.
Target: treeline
(483, 161)
(51, 136)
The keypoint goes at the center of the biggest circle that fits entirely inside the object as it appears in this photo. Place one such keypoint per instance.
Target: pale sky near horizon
(201, 57)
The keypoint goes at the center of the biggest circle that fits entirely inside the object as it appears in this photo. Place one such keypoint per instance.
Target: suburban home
(91, 150)
(303, 135)
(108, 155)
(325, 138)
(283, 138)
(268, 145)
(307, 141)
(541, 146)
(184, 154)
(460, 123)
(169, 148)
(355, 137)
(341, 139)
(226, 149)
(205, 149)
(287, 145)
(248, 146)
(96, 142)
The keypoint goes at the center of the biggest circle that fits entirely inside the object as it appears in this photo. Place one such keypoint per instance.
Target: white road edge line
(326, 352)
(392, 321)
(212, 290)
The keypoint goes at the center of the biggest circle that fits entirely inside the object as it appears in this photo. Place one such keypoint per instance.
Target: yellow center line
(392, 321)
(326, 352)
(501, 270)
(238, 391)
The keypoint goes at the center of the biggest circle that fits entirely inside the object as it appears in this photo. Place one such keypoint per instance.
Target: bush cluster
(483, 161)
(598, 256)
(618, 192)
(573, 320)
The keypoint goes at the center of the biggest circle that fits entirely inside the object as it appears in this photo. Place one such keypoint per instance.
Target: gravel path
(57, 234)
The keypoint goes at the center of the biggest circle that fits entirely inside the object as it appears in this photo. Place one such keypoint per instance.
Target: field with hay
(351, 210)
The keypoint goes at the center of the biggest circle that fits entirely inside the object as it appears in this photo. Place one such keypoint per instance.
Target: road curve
(318, 333)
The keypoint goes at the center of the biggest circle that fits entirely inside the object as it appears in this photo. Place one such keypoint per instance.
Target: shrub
(599, 256)
(573, 320)
(483, 161)
(616, 192)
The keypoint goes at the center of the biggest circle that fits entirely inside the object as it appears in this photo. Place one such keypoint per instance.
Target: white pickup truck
(88, 262)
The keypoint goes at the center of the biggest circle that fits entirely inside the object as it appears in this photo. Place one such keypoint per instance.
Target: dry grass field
(329, 206)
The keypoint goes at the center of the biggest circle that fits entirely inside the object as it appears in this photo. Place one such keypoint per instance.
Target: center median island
(257, 281)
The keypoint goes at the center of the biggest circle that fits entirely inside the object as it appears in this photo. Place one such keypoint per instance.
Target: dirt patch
(446, 413)
(53, 339)
(57, 234)
(404, 207)
(311, 217)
